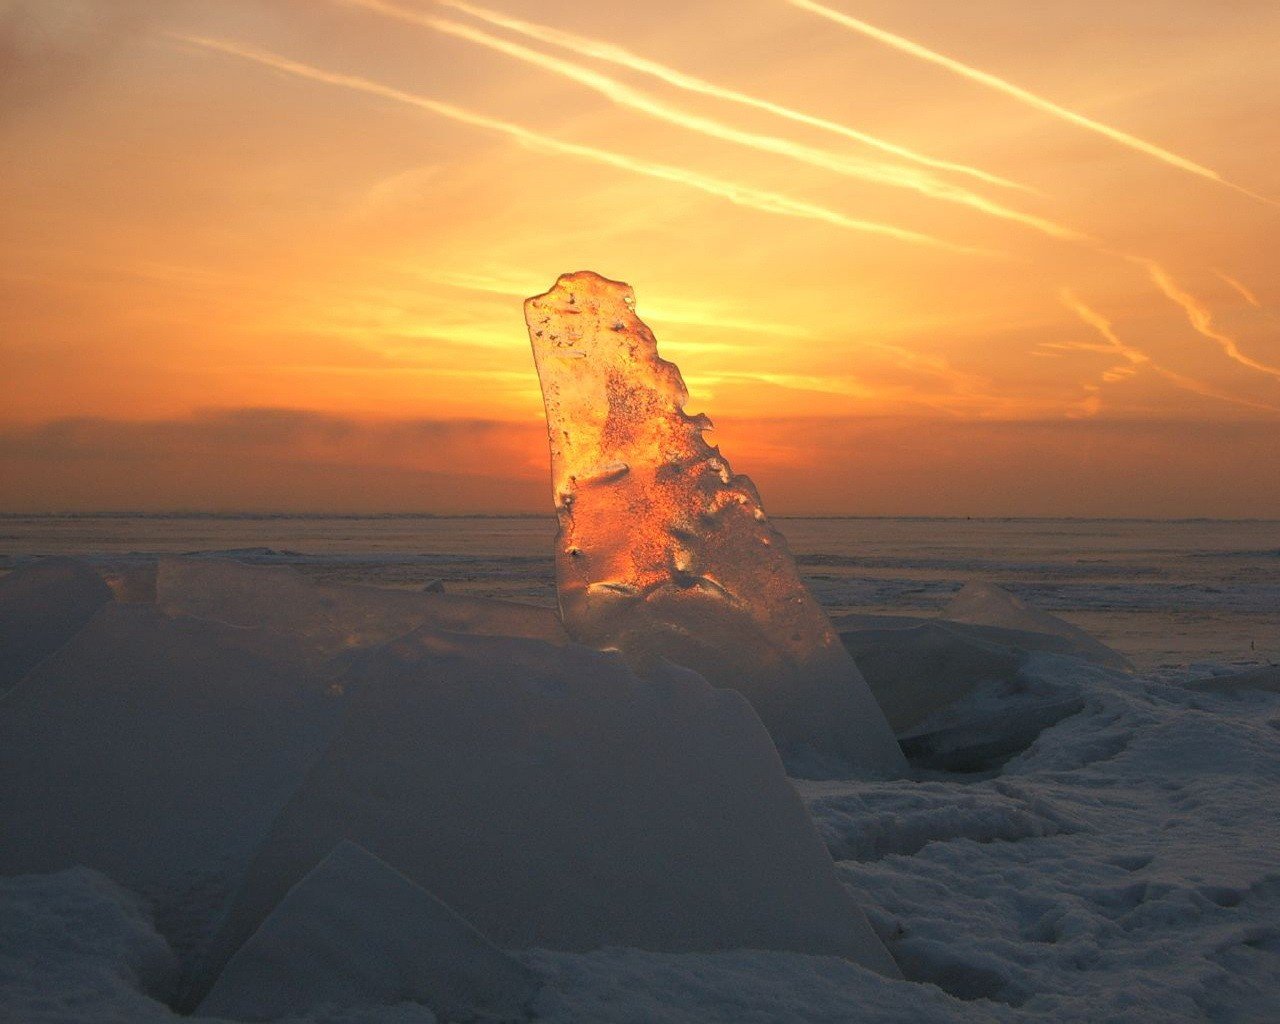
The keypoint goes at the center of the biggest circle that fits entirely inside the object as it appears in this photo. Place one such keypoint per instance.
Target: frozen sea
(1173, 595)
(1122, 864)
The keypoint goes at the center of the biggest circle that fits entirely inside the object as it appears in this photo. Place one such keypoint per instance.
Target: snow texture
(664, 552)
(42, 606)
(552, 798)
(354, 931)
(76, 947)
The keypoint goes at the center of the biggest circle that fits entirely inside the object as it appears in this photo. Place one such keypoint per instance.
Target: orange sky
(1005, 259)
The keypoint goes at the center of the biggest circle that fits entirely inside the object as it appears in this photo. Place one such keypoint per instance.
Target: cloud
(601, 50)
(742, 195)
(274, 458)
(255, 459)
(424, 442)
(1240, 289)
(877, 172)
(1134, 358)
(1201, 318)
(1024, 96)
(47, 46)
(1072, 467)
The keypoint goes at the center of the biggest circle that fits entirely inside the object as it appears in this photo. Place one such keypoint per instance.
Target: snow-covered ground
(1076, 843)
(1125, 867)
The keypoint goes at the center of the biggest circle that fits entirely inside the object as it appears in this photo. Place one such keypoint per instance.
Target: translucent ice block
(664, 551)
(555, 800)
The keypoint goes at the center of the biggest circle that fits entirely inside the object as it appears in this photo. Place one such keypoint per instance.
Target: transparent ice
(665, 552)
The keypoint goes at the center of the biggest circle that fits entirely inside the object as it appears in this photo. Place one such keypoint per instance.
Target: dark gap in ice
(986, 743)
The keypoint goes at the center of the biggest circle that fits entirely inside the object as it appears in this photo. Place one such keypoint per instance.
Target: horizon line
(551, 515)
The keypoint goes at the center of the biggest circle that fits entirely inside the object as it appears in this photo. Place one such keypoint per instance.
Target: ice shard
(665, 552)
(991, 606)
(355, 931)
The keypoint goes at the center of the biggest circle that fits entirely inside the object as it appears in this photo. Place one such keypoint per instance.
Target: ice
(985, 604)
(553, 798)
(158, 751)
(979, 738)
(956, 693)
(41, 608)
(332, 619)
(917, 669)
(354, 931)
(664, 552)
(1263, 679)
(1122, 869)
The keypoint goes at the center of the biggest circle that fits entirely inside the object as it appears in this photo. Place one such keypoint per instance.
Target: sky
(913, 258)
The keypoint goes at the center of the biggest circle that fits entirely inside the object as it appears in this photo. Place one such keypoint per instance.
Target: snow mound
(1265, 679)
(42, 606)
(985, 604)
(158, 751)
(74, 946)
(663, 552)
(354, 931)
(333, 619)
(553, 798)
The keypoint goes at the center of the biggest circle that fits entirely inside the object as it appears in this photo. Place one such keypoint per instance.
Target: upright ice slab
(664, 552)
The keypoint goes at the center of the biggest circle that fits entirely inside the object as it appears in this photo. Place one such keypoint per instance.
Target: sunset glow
(914, 259)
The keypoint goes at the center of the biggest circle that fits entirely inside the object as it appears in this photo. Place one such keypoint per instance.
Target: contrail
(742, 195)
(600, 50)
(1201, 318)
(1244, 292)
(1024, 96)
(1111, 344)
(1136, 357)
(635, 99)
(1133, 356)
